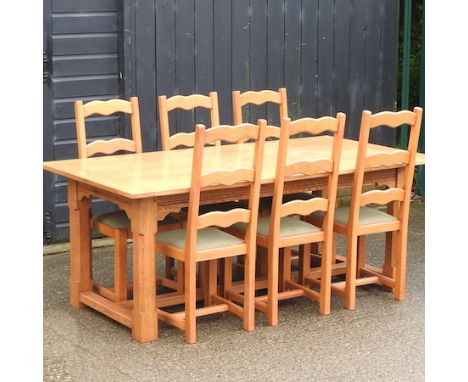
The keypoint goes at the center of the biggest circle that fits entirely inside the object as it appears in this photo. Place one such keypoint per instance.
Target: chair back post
(80, 130)
(359, 172)
(254, 194)
(331, 190)
(135, 122)
(195, 188)
(414, 132)
(214, 110)
(279, 183)
(164, 122)
(283, 106)
(236, 107)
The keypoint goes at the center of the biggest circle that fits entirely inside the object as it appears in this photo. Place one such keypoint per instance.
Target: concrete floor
(382, 340)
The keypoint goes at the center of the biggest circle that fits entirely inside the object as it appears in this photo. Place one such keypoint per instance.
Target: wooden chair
(200, 241)
(359, 220)
(169, 142)
(115, 224)
(282, 230)
(190, 102)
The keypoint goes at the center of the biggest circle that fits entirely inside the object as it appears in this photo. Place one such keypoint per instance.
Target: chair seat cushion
(207, 238)
(367, 215)
(289, 226)
(119, 219)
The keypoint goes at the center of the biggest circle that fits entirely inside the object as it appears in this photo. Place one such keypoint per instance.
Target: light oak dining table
(150, 185)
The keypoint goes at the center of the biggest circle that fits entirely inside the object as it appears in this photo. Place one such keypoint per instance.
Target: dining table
(150, 185)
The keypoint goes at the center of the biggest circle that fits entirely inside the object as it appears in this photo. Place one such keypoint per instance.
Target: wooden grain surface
(161, 173)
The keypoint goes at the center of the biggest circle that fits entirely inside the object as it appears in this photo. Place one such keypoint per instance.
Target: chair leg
(400, 265)
(388, 268)
(120, 265)
(361, 254)
(325, 276)
(212, 282)
(304, 262)
(169, 266)
(350, 285)
(286, 267)
(227, 272)
(180, 276)
(272, 306)
(249, 291)
(334, 250)
(190, 302)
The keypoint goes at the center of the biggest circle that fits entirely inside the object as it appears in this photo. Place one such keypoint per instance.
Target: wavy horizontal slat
(182, 139)
(382, 196)
(235, 133)
(303, 207)
(387, 159)
(188, 102)
(313, 126)
(309, 168)
(107, 107)
(227, 178)
(223, 218)
(258, 98)
(393, 119)
(272, 131)
(110, 146)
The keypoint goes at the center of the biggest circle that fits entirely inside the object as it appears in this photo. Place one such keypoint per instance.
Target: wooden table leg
(80, 244)
(144, 227)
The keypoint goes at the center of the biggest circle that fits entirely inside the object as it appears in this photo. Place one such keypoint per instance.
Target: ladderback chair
(190, 102)
(115, 224)
(360, 219)
(282, 229)
(202, 241)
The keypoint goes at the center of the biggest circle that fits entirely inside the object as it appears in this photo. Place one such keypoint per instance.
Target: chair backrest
(287, 170)
(165, 105)
(107, 108)
(259, 98)
(367, 161)
(250, 176)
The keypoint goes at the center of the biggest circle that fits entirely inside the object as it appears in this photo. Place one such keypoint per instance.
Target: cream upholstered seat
(288, 226)
(367, 215)
(207, 238)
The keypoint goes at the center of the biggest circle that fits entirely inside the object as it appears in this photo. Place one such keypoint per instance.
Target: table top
(159, 173)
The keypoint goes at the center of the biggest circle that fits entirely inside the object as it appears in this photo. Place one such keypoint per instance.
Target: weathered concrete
(382, 340)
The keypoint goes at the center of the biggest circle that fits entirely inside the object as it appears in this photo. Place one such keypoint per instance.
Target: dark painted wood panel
(325, 101)
(165, 57)
(275, 54)
(341, 55)
(309, 58)
(222, 58)
(204, 73)
(356, 67)
(84, 23)
(95, 127)
(83, 44)
(240, 75)
(185, 61)
(84, 5)
(258, 54)
(85, 65)
(292, 53)
(85, 86)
